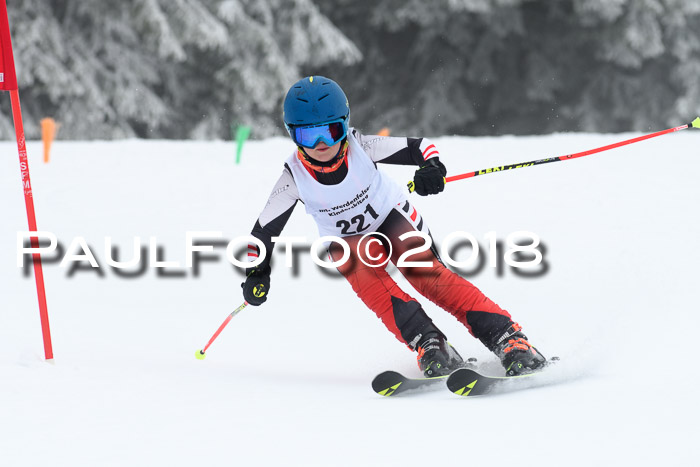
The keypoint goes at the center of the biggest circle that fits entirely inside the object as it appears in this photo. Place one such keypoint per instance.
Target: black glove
(430, 179)
(256, 286)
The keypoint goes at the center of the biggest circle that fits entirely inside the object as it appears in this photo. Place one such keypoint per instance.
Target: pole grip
(412, 185)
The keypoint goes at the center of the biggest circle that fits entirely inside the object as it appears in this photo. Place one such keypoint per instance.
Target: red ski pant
(446, 289)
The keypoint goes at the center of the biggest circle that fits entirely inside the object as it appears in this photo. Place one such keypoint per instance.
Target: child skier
(334, 173)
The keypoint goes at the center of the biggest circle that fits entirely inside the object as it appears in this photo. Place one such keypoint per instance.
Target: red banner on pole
(8, 82)
(8, 78)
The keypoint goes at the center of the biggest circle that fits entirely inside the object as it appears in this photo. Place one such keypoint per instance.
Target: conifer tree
(512, 66)
(192, 68)
(164, 68)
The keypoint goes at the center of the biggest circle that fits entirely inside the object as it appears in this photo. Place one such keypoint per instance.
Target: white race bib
(357, 205)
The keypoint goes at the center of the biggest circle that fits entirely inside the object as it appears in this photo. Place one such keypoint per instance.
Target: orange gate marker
(48, 133)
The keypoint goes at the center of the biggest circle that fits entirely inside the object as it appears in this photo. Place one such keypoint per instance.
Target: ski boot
(517, 355)
(436, 357)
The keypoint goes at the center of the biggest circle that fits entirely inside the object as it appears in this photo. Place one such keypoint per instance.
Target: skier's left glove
(430, 179)
(256, 286)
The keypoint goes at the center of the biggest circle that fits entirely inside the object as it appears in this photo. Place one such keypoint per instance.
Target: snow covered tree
(273, 41)
(192, 68)
(647, 54)
(164, 68)
(82, 63)
(513, 66)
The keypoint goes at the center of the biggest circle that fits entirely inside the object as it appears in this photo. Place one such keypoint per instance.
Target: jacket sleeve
(396, 150)
(273, 218)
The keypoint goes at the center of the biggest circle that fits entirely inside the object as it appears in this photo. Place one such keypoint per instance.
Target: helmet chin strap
(324, 167)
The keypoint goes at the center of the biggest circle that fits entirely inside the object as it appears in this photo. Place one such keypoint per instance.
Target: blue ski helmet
(313, 100)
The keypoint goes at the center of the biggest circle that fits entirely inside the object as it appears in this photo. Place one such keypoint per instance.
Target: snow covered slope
(288, 383)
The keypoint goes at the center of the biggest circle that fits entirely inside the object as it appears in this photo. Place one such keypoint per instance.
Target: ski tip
(386, 383)
(696, 123)
(462, 381)
(383, 382)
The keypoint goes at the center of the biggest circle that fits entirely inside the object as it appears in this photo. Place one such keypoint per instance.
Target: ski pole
(694, 124)
(200, 354)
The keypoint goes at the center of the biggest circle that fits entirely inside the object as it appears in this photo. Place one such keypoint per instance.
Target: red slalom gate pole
(200, 354)
(8, 82)
(695, 124)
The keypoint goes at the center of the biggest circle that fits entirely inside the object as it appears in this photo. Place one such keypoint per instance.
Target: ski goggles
(309, 136)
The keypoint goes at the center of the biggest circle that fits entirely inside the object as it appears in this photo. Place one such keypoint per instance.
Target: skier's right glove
(256, 286)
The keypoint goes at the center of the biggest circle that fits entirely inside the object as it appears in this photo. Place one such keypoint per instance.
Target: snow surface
(288, 383)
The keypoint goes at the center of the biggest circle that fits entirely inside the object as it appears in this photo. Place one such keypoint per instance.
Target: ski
(467, 382)
(391, 383)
